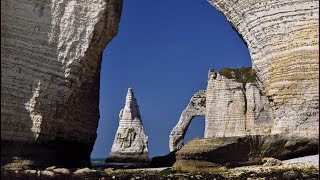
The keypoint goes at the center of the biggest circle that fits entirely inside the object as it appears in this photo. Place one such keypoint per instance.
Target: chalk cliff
(283, 40)
(280, 109)
(238, 125)
(50, 65)
(196, 107)
(50, 68)
(233, 105)
(130, 143)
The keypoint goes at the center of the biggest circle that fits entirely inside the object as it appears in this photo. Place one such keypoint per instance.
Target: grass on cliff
(243, 75)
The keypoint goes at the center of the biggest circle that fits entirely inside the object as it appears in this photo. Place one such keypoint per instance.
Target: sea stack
(130, 143)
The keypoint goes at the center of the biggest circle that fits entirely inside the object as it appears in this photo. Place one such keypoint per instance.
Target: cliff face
(233, 105)
(50, 68)
(278, 114)
(130, 143)
(283, 40)
(238, 127)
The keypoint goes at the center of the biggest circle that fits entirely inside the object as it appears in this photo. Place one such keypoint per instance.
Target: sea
(98, 163)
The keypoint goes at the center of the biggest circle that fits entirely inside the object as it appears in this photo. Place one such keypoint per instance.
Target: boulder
(86, 173)
(239, 151)
(163, 161)
(271, 162)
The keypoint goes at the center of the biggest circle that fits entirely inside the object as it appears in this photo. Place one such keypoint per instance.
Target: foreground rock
(292, 171)
(130, 142)
(50, 68)
(239, 151)
(163, 161)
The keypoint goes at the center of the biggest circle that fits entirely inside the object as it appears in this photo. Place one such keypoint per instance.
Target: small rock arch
(196, 107)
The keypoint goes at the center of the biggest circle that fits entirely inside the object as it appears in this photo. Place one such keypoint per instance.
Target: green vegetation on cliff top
(243, 75)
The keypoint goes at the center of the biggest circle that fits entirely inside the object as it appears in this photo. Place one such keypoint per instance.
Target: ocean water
(97, 161)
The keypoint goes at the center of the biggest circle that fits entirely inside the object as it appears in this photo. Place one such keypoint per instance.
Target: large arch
(283, 39)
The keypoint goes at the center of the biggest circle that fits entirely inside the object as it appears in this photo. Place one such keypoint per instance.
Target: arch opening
(164, 57)
(195, 129)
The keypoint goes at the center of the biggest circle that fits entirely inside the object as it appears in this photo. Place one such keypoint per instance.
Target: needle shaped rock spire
(130, 143)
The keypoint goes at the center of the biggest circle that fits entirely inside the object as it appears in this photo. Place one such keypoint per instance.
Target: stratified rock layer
(130, 143)
(239, 151)
(283, 41)
(238, 129)
(233, 105)
(50, 68)
(196, 107)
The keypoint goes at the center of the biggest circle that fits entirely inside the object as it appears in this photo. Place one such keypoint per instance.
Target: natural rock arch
(283, 39)
(196, 107)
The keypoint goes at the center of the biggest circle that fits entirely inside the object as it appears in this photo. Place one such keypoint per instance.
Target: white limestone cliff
(130, 142)
(232, 106)
(50, 66)
(196, 107)
(283, 40)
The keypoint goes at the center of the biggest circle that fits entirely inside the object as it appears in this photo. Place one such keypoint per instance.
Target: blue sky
(163, 51)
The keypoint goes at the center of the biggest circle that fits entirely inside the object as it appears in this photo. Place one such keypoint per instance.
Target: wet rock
(164, 161)
(46, 175)
(61, 171)
(86, 173)
(238, 151)
(50, 168)
(271, 162)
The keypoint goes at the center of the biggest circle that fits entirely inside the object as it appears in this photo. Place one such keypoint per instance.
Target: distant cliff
(233, 105)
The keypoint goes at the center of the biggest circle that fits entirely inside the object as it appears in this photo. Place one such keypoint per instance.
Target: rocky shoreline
(257, 172)
(299, 168)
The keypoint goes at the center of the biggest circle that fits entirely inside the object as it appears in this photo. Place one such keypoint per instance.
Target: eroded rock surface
(283, 40)
(233, 105)
(130, 143)
(50, 68)
(239, 151)
(236, 105)
(238, 129)
(196, 107)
